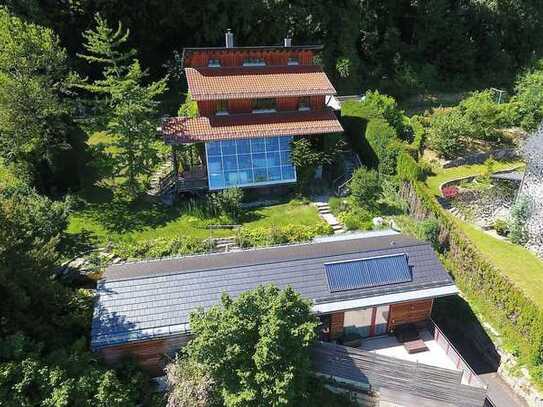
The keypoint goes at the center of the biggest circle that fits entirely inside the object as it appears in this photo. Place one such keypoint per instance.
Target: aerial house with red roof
(252, 102)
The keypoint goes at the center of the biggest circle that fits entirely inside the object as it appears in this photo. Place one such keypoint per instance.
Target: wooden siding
(207, 107)
(336, 324)
(409, 312)
(240, 106)
(317, 103)
(149, 354)
(235, 57)
(287, 104)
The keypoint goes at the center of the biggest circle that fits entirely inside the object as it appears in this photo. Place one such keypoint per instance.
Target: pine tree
(130, 103)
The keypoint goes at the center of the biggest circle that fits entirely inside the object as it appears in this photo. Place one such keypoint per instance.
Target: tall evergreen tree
(129, 104)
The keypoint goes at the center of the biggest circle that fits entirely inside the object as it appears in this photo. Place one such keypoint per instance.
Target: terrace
(441, 353)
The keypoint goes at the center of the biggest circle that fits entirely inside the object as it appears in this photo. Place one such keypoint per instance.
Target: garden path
(321, 202)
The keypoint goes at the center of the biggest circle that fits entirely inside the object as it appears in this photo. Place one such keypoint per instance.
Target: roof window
(293, 60)
(214, 63)
(253, 61)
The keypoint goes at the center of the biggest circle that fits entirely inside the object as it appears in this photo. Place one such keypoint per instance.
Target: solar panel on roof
(367, 273)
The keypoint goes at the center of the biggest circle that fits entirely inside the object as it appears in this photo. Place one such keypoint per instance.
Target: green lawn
(116, 220)
(448, 174)
(520, 264)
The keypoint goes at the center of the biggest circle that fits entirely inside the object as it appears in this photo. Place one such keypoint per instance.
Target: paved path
(500, 393)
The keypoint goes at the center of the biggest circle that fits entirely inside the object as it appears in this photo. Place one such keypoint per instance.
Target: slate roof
(263, 82)
(202, 129)
(143, 300)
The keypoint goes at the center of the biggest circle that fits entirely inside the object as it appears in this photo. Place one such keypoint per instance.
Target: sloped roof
(203, 129)
(144, 300)
(260, 82)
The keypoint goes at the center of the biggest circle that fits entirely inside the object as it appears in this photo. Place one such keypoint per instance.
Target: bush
(520, 212)
(501, 227)
(275, 235)
(428, 230)
(228, 202)
(189, 108)
(365, 187)
(377, 105)
(419, 134)
(384, 142)
(162, 247)
(528, 100)
(450, 192)
(447, 127)
(482, 113)
(357, 219)
(407, 168)
(337, 205)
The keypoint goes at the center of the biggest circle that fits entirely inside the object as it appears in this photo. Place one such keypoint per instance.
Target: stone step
(325, 211)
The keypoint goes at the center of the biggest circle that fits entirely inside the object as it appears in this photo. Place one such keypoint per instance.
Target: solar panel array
(368, 272)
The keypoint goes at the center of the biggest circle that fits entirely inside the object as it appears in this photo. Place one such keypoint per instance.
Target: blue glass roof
(369, 272)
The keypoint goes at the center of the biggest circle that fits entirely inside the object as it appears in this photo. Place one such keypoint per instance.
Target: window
(222, 107)
(214, 63)
(264, 106)
(249, 162)
(303, 104)
(254, 61)
(293, 60)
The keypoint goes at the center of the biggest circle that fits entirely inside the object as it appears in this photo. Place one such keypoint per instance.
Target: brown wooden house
(252, 102)
(366, 286)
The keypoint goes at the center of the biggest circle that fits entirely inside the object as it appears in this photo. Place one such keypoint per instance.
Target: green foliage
(228, 202)
(130, 103)
(501, 226)
(36, 133)
(384, 142)
(29, 377)
(357, 218)
(482, 112)
(408, 169)
(190, 385)
(343, 67)
(189, 108)
(256, 347)
(419, 134)
(447, 128)
(520, 213)
(365, 187)
(307, 157)
(500, 298)
(161, 247)
(529, 97)
(275, 235)
(428, 230)
(379, 105)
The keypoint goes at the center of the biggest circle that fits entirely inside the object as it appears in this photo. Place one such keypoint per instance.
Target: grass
(442, 175)
(115, 220)
(517, 262)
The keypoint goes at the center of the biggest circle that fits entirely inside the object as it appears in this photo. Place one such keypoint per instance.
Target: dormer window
(293, 60)
(264, 106)
(214, 63)
(253, 61)
(303, 104)
(222, 108)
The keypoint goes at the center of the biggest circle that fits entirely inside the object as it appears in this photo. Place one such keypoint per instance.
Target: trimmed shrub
(384, 142)
(365, 187)
(407, 168)
(274, 235)
(378, 105)
(357, 219)
(419, 134)
(162, 247)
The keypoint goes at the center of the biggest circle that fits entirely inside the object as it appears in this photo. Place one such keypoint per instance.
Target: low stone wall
(480, 158)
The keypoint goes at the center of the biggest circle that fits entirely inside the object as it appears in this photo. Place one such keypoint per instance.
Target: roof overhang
(265, 82)
(359, 303)
(181, 130)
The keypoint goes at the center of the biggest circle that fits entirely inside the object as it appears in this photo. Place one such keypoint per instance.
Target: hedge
(407, 168)
(161, 247)
(503, 301)
(274, 235)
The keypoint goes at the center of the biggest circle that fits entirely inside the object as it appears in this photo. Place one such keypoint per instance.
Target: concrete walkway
(499, 392)
(325, 213)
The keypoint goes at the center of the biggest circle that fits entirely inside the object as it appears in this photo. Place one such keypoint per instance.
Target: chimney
(288, 42)
(229, 37)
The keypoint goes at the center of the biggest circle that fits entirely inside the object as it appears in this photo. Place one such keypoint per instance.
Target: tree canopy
(255, 348)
